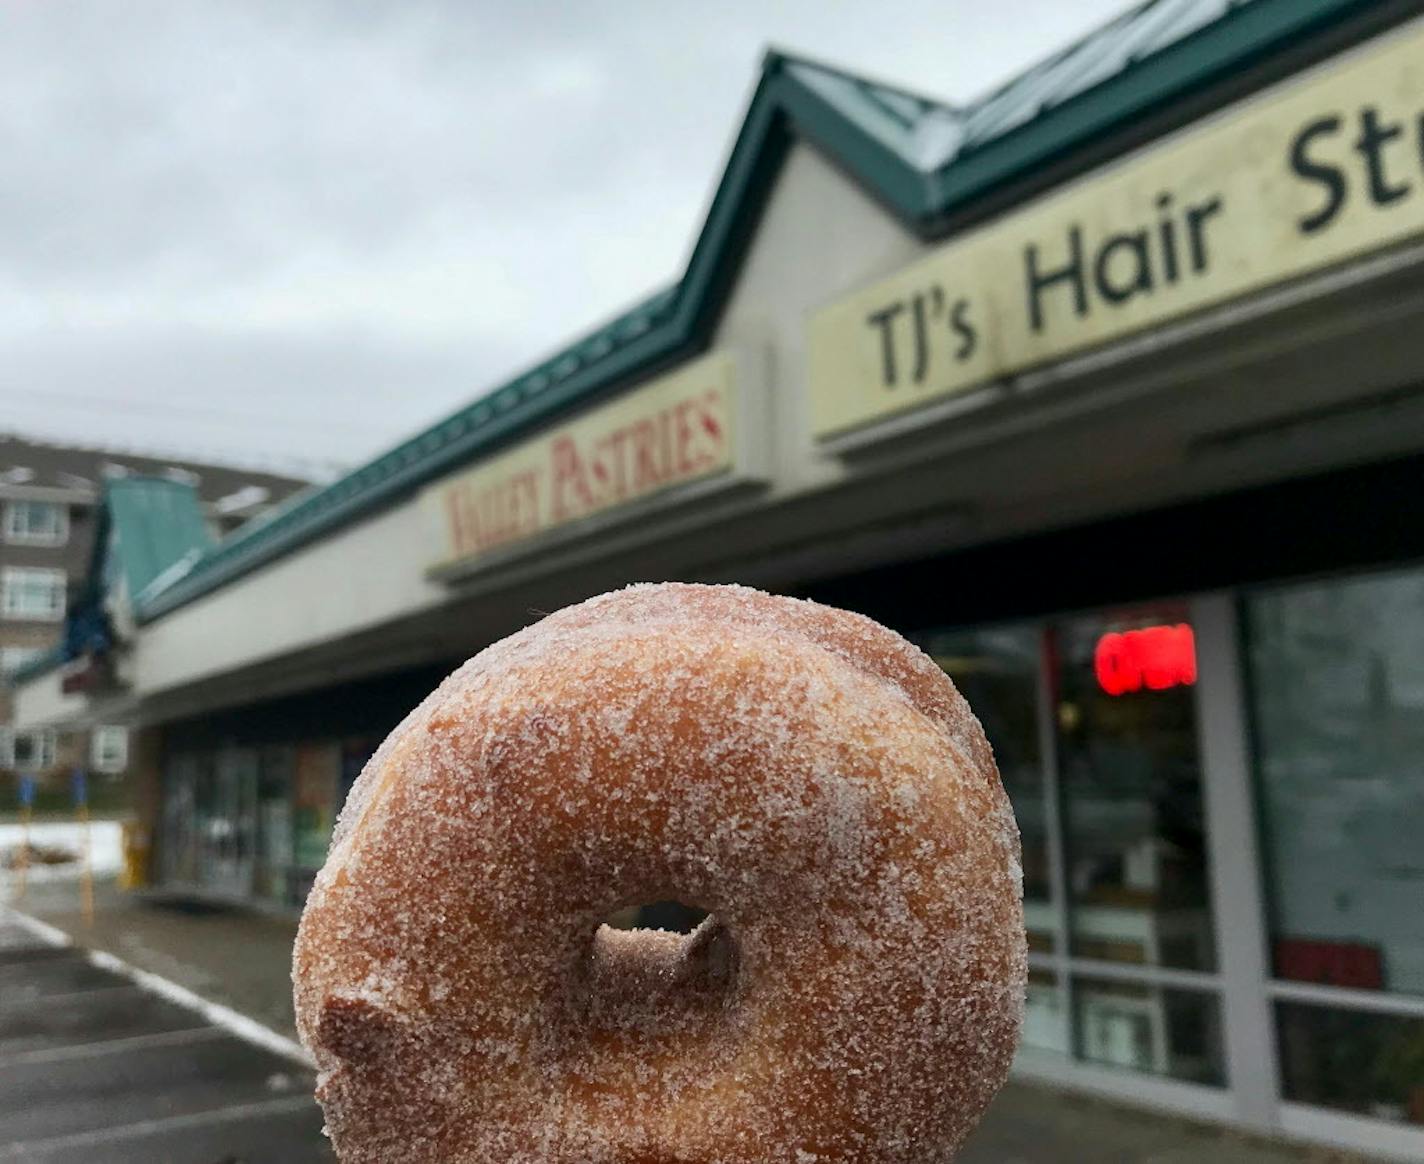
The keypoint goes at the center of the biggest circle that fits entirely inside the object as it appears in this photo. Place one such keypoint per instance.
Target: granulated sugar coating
(805, 774)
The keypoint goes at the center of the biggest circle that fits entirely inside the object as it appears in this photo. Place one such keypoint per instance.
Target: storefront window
(1148, 1028)
(1045, 1014)
(1131, 780)
(274, 823)
(253, 822)
(314, 801)
(997, 671)
(1370, 1064)
(179, 843)
(229, 816)
(1337, 695)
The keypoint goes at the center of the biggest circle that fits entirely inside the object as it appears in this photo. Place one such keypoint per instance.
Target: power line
(46, 400)
(317, 469)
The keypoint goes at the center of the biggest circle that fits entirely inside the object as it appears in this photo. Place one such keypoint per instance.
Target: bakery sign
(672, 433)
(1328, 166)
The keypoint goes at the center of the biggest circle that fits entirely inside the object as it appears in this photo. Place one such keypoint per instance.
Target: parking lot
(99, 1062)
(98, 1065)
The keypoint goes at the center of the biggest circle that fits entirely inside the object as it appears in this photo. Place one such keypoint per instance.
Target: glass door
(178, 853)
(1093, 721)
(998, 670)
(231, 824)
(274, 823)
(1142, 954)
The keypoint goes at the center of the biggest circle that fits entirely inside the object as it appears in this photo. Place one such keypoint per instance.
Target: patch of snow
(106, 854)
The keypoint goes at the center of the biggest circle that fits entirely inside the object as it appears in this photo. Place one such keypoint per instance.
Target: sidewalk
(242, 960)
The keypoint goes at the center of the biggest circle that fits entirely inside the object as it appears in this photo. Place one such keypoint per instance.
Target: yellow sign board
(674, 431)
(1325, 168)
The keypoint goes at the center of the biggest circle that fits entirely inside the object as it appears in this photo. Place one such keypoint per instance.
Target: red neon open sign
(1155, 657)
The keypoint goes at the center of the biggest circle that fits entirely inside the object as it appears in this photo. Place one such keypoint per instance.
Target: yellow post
(86, 869)
(22, 868)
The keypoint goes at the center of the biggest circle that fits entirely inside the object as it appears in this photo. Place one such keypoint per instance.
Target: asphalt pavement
(95, 1066)
(118, 1073)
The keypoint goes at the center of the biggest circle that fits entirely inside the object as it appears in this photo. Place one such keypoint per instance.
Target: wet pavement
(242, 959)
(98, 1068)
(239, 958)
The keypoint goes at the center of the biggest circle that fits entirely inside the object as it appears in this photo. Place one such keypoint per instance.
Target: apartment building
(49, 495)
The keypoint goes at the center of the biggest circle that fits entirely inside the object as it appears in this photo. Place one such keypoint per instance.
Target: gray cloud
(301, 230)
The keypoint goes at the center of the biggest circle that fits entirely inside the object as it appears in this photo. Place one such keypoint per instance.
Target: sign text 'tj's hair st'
(1327, 167)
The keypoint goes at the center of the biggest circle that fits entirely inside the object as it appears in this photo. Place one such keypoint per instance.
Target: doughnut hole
(661, 977)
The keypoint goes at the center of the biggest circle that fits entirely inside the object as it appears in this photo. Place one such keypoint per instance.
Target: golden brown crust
(803, 773)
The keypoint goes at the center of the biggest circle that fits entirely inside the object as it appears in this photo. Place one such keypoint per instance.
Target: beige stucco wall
(820, 237)
(41, 702)
(365, 575)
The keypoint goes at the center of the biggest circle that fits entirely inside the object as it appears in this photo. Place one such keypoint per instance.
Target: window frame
(97, 759)
(13, 575)
(44, 742)
(18, 537)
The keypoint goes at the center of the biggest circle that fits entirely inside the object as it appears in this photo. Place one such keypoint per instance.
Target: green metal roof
(923, 159)
(931, 134)
(151, 523)
(146, 526)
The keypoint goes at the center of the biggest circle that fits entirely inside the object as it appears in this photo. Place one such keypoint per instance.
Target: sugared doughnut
(804, 774)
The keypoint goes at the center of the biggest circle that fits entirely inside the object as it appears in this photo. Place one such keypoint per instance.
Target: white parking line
(46, 933)
(22, 1149)
(247, 1029)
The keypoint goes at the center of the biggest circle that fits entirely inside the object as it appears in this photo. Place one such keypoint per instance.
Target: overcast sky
(294, 231)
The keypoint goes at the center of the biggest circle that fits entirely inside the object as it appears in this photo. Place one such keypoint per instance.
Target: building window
(1093, 721)
(34, 595)
(109, 749)
(36, 523)
(1134, 823)
(13, 658)
(34, 751)
(1337, 691)
(997, 670)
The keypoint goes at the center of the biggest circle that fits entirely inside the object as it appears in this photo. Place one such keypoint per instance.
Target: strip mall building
(1107, 389)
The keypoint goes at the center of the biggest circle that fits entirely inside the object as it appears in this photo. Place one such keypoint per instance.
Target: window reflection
(226, 858)
(1338, 698)
(184, 800)
(1370, 1064)
(274, 823)
(996, 670)
(1134, 827)
(1045, 1014)
(1148, 1028)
